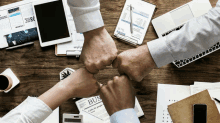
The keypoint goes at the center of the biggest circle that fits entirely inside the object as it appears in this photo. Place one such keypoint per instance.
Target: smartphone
(200, 113)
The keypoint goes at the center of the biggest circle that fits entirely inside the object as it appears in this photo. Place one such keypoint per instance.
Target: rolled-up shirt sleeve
(125, 116)
(86, 14)
(196, 36)
(32, 110)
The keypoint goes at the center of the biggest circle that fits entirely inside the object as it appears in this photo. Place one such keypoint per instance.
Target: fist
(135, 63)
(118, 94)
(99, 50)
(81, 84)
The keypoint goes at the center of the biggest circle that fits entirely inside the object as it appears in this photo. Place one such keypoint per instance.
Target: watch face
(65, 73)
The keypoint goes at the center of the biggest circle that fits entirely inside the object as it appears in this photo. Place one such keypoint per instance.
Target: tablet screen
(51, 21)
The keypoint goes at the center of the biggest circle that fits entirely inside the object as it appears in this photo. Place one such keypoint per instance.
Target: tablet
(51, 21)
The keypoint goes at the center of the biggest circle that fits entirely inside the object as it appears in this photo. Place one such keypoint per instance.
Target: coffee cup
(5, 82)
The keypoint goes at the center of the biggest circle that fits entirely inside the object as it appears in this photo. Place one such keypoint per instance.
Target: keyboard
(184, 62)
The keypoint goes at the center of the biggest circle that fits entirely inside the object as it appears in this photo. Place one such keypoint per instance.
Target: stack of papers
(168, 94)
(93, 110)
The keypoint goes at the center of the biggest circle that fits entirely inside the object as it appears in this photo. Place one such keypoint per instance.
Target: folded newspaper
(95, 107)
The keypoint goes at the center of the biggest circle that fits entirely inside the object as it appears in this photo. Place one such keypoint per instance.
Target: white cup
(5, 83)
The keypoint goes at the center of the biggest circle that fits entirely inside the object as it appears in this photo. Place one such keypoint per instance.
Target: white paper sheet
(198, 88)
(87, 118)
(166, 95)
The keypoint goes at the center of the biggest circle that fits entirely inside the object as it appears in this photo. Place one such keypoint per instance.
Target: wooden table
(38, 68)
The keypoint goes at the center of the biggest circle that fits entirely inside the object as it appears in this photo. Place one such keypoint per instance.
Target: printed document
(95, 107)
(15, 17)
(142, 13)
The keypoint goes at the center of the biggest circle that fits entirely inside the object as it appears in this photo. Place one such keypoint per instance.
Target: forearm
(196, 36)
(56, 95)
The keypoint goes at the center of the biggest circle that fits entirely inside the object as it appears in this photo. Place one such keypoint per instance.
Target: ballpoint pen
(131, 19)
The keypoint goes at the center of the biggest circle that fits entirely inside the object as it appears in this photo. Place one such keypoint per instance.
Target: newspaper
(95, 107)
(14, 18)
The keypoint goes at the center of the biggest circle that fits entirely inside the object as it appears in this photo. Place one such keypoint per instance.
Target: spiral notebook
(140, 17)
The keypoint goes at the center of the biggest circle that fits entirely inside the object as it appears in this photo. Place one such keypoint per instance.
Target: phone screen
(51, 21)
(200, 113)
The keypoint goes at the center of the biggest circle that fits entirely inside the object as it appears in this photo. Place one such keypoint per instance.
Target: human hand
(135, 63)
(81, 84)
(99, 50)
(118, 95)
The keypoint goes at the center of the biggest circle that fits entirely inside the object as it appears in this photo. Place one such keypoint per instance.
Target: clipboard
(182, 111)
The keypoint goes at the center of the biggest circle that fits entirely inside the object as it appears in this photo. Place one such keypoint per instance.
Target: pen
(217, 100)
(131, 18)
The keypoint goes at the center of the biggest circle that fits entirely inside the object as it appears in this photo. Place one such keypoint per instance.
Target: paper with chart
(166, 95)
(14, 18)
(141, 16)
(95, 107)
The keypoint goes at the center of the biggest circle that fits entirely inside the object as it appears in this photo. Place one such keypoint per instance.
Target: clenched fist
(99, 50)
(135, 63)
(118, 94)
(81, 84)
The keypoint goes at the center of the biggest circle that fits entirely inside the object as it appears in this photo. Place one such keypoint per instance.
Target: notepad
(142, 13)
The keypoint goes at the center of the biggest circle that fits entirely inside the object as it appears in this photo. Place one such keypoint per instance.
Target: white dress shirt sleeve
(32, 110)
(196, 36)
(125, 116)
(86, 14)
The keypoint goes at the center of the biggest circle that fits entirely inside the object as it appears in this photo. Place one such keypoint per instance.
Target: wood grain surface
(38, 68)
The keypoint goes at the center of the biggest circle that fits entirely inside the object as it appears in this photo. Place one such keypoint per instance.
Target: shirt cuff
(125, 116)
(35, 109)
(160, 52)
(89, 21)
